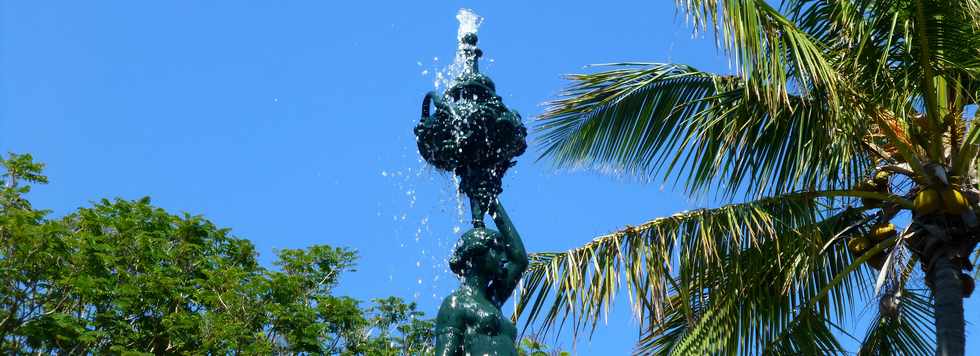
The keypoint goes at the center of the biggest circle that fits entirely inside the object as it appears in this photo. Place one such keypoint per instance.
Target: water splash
(469, 22)
(423, 195)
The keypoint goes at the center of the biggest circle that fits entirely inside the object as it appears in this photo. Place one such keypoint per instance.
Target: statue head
(477, 251)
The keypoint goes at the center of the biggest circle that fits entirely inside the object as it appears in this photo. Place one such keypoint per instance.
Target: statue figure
(489, 264)
(472, 134)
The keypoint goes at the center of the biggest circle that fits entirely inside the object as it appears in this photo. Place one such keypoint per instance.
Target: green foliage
(531, 346)
(125, 277)
(400, 328)
(21, 167)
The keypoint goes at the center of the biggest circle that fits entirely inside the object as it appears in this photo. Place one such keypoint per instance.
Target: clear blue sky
(291, 121)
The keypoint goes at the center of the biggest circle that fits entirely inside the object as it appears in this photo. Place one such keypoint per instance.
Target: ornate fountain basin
(471, 133)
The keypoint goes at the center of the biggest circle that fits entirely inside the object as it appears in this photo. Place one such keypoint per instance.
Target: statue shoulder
(456, 309)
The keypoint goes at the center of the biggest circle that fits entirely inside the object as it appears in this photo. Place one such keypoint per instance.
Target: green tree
(532, 346)
(399, 329)
(842, 117)
(125, 277)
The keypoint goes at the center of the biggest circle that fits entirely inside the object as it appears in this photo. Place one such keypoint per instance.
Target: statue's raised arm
(513, 246)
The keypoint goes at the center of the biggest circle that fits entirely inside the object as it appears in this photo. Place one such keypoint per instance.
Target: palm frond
(903, 324)
(911, 58)
(604, 116)
(806, 334)
(661, 337)
(759, 261)
(699, 128)
(772, 54)
(824, 91)
(809, 334)
(756, 303)
(908, 332)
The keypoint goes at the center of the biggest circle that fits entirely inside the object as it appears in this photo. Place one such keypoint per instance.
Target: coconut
(954, 202)
(881, 178)
(878, 184)
(968, 284)
(858, 245)
(866, 186)
(883, 232)
(889, 304)
(927, 202)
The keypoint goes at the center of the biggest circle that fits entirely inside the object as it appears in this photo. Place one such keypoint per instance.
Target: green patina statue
(489, 265)
(473, 135)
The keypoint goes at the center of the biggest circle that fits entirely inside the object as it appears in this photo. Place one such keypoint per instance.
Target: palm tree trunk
(947, 289)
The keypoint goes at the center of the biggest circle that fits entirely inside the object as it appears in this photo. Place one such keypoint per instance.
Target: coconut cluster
(862, 243)
(472, 134)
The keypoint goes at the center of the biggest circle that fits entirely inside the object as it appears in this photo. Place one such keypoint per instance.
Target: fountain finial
(470, 53)
(469, 38)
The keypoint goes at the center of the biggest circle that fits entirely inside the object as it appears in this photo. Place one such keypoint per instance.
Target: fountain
(473, 135)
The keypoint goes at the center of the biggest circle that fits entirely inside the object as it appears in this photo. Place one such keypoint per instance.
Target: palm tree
(843, 118)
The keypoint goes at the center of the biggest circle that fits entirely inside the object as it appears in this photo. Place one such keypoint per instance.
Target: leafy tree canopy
(125, 277)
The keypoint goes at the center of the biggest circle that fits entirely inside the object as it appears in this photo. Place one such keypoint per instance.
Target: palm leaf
(715, 259)
(910, 332)
(903, 324)
(823, 92)
(699, 127)
(661, 337)
(809, 334)
(771, 52)
(757, 301)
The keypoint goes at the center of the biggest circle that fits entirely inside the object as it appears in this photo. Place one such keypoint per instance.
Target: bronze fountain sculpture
(489, 264)
(472, 134)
